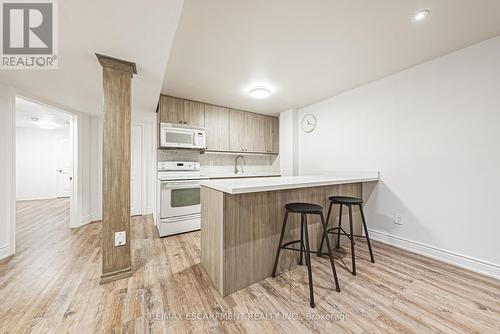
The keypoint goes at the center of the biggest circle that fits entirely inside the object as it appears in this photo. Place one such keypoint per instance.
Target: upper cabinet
(217, 128)
(271, 134)
(175, 110)
(255, 133)
(227, 130)
(194, 113)
(237, 131)
(171, 109)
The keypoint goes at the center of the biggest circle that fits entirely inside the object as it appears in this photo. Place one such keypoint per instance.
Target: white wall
(433, 132)
(149, 163)
(38, 155)
(289, 142)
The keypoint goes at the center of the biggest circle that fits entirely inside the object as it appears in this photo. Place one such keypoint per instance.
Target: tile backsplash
(214, 163)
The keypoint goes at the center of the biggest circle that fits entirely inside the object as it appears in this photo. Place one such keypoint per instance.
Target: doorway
(44, 165)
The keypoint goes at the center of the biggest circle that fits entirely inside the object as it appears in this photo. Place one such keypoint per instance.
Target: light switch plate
(120, 238)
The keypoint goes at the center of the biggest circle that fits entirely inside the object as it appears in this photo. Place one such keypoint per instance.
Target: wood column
(117, 75)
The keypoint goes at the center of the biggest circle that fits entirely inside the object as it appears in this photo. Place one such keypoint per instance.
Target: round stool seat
(345, 200)
(304, 208)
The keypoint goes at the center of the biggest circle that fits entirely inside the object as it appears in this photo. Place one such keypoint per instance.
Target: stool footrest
(298, 250)
(331, 231)
(290, 243)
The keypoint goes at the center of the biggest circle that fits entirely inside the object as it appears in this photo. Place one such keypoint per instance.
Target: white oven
(178, 197)
(182, 136)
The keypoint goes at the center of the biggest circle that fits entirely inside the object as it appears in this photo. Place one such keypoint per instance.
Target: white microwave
(178, 136)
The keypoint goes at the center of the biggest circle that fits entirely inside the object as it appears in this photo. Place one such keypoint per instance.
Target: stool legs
(337, 246)
(301, 238)
(325, 233)
(366, 233)
(308, 260)
(279, 244)
(353, 256)
(330, 255)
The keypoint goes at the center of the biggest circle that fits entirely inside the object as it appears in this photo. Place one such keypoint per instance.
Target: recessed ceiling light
(260, 93)
(421, 15)
(34, 119)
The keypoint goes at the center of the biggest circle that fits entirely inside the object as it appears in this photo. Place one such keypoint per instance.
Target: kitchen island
(241, 222)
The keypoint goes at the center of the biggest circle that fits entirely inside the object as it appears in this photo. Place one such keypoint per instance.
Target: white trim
(85, 220)
(37, 198)
(12, 198)
(4, 252)
(459, 260)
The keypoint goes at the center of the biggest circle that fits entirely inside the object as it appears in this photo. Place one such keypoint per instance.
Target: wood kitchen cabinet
(271, 134)
(171, 109)
(228, 130)
(194, 113)
(180, 111)
(255, 133)
(237, 131)
(217, 128)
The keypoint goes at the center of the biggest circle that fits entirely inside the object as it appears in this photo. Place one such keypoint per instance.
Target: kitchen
(260, 167)
(199, 141)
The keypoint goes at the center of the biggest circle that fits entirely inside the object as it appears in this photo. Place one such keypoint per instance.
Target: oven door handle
(180, 185)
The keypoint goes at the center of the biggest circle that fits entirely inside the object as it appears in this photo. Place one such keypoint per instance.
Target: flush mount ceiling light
(48, 125)
(420, 15)
(259, 93)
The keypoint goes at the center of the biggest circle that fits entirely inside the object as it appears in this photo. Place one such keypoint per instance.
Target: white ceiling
(33, 115)
(141, 32)
(306, 51)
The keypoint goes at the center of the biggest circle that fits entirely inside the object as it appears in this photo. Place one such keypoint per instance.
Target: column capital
(118, 64)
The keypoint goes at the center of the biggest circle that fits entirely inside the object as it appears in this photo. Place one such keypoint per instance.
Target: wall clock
(309, 123)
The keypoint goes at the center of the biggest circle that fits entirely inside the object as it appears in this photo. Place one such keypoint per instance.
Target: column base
(116, 275)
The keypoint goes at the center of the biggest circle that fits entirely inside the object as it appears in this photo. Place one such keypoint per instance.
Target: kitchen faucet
(236, 163)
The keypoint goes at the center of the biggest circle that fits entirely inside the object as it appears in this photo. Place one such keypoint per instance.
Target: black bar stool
(349, 202)
(304, 209)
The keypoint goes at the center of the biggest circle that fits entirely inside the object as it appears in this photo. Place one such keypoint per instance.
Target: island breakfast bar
(241, 222)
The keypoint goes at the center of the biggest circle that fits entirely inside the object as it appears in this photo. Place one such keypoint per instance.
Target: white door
(65, 168)
(136, 171)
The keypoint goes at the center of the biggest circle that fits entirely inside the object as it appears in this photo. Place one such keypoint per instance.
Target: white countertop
(240, 175)
(242, 186)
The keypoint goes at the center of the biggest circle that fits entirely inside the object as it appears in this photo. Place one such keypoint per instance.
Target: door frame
(142, 177)
(75, 203)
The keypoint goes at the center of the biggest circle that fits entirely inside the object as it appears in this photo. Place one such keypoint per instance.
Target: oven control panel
(178, 166)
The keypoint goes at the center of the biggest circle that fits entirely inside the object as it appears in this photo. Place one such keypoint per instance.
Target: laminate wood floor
(52, 286)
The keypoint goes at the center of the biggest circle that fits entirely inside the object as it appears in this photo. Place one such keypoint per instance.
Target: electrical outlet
(120, 238)
(398, 220)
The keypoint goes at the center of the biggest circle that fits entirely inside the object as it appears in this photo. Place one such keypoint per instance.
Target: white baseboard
(148, 211)
(36, 198)
(4, 251)
(84, 220)
(459, 260)
(94, 218)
